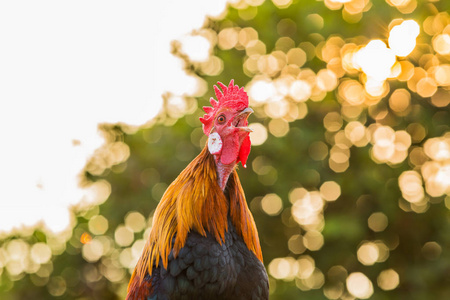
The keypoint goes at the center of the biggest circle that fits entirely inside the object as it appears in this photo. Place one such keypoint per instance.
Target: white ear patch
(214, 143)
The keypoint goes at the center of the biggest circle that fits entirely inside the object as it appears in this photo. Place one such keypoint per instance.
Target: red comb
(231, 96)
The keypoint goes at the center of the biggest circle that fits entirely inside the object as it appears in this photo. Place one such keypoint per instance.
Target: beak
(243, 115)
(247, 111)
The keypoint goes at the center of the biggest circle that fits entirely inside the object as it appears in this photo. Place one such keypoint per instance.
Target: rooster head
(226, 125)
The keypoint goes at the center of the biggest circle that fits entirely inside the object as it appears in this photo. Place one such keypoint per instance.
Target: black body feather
(204, 269)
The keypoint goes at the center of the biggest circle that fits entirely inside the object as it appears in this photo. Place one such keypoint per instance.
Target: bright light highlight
(261, 90)
(375, 60)
(402, 38)
(196, 47)
(359, 285)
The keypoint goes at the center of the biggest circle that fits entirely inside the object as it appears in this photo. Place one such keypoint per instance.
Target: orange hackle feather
(194, 201)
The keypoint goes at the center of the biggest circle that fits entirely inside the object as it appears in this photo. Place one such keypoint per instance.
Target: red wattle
(230, 152)
(244, 151)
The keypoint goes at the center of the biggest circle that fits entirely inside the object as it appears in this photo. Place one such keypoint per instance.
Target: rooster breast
(204, 269)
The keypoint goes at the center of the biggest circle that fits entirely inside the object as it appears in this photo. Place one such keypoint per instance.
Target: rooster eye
(221, 119)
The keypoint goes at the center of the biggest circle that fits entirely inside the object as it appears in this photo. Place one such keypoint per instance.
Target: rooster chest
(204, 269)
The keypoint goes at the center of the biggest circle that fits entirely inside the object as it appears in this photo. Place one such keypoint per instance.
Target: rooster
(203, 243)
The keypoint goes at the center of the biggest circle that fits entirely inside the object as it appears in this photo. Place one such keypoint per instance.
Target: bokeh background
(349, 175)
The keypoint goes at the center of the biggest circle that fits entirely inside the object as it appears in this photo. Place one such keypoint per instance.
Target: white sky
(65, 67)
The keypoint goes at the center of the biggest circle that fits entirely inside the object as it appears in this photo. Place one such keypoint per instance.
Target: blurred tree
(348, 178)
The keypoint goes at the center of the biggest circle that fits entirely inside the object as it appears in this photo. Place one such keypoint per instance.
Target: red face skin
(231, 125)
(227, 118)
